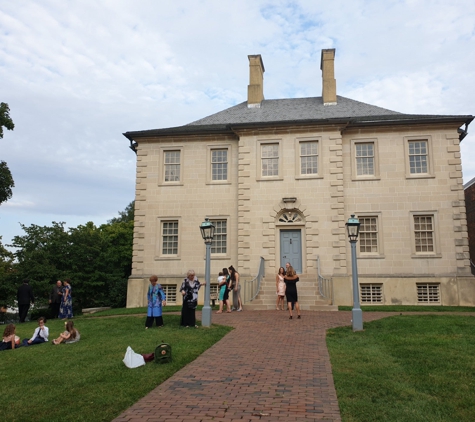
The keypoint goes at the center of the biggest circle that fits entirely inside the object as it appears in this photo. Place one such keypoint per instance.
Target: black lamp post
(207, 233)
(353, 227)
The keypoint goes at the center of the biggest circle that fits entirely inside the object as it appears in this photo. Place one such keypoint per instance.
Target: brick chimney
(327, 65)
(255, 89)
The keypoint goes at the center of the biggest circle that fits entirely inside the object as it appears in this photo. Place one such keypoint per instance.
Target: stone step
(260, 307)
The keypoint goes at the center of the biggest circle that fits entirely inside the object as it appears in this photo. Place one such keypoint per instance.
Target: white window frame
(224, 254)
(259, 159)
(435, 234)
(171, 291)
(298, 158)
(429, 293)
(160, 255)
(354, 166)
(162, 165)
(209, 171)
(430, 165)
(379, 236)
(375, 290)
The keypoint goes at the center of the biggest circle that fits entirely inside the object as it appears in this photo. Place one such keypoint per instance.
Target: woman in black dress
(189, 290)
(291, 280)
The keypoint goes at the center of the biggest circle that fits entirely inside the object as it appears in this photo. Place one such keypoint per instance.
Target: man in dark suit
(55, 298)
(24, 297)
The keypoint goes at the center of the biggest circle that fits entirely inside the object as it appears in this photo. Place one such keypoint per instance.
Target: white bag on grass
(132, 359)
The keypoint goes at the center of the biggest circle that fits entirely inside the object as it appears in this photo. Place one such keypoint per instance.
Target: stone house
(280, 178)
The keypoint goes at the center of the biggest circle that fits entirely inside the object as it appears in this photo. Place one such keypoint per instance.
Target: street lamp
(207, 233)
(353, 227)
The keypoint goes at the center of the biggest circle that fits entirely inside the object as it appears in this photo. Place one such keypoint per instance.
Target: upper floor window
(171, 166)
(219, 164)
(364, 159)
(308, 157)
(270, 160)
(418, 157)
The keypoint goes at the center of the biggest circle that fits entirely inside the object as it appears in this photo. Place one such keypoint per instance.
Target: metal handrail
(325, 285)
(252, 287)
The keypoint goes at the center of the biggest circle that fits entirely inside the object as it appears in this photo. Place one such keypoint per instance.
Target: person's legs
(277, 303)
(289, 307)
(220, 311)
(148, 322)
(23, 312)
(297, 306)
(159, 321)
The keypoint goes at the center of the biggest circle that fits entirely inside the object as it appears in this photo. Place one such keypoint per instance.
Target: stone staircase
(307, 288)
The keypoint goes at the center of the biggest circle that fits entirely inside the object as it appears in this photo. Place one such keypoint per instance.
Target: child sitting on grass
(70, 335)
(40, 335)
(10, 339)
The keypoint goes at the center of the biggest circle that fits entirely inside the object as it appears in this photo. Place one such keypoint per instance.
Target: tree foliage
(126, 215)
(6, 179)
(97, 259)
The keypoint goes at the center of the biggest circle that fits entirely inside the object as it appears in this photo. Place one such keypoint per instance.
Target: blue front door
(291, 249)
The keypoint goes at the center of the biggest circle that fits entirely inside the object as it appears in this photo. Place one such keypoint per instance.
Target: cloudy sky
(77, 74)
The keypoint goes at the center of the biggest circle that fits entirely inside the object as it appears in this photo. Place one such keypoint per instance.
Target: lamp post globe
(207, 233)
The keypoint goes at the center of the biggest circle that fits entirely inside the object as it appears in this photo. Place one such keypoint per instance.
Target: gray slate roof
(294, 109)
(297, 111)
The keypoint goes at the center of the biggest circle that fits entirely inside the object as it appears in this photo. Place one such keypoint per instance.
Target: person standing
(234, 275)
(156, 298)
(24, 297)
(280, 289)
(55, 298)
(66, 306)
(189, 290)
(291, 278)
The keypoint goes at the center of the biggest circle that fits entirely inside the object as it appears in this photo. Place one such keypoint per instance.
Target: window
(368, 234)
(308, 157)
(170, 292)
(424, 233)
(270, 160)
(428, 292)
(172, 166)
(213, 291)
(418, 157)
(219, 164)
(219, 243)
(371, 293)
(170, 238)
(364, 159)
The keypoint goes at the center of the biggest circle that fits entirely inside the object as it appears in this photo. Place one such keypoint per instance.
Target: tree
(7, 287)
(6, 179)
(124, 216)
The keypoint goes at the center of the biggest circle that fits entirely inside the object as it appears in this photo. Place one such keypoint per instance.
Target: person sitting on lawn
(40, 335)
(10, 339)
(70, 335)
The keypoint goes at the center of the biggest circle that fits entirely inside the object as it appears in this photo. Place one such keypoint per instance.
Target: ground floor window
(428, 292)
(371, 293)
(170, 292)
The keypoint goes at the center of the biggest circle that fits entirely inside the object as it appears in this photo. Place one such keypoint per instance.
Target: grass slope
(406, 369)
(87, 381)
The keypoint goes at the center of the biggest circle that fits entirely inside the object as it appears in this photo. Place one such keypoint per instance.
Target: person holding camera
(189, 290)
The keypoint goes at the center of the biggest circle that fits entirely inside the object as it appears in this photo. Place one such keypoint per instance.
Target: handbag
(192, 304)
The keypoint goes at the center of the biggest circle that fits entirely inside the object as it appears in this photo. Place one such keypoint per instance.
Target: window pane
(418, 157)
(219, 164)
(219, 243)
(364, 159)
(172, 166)
(270, 160)
(368, 234)
(170, 238)
(424, 233)
(308, 157)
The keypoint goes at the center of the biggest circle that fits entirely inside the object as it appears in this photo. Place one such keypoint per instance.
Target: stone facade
(303, 178)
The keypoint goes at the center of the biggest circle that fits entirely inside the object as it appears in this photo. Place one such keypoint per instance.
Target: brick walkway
(281, 372)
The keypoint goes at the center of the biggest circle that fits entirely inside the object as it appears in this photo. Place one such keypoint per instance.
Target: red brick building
(469, 188)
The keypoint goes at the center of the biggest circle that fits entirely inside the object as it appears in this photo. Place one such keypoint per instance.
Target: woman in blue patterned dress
(66, 307)
(189, 290)
(156, 298)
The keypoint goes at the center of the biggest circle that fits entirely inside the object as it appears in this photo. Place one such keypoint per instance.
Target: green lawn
(406, 369)
(87, 381)
(408, 308)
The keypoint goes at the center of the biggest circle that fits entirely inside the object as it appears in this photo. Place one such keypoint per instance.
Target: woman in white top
(40, 335)
(280, 289)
